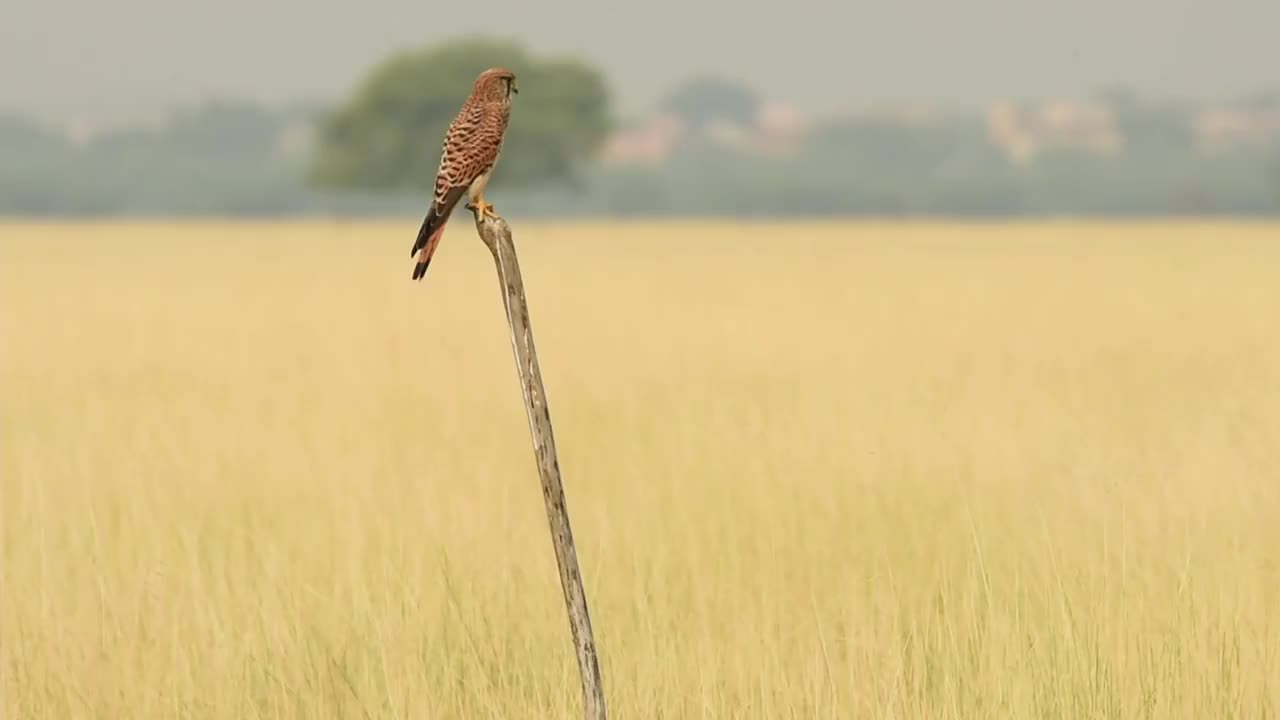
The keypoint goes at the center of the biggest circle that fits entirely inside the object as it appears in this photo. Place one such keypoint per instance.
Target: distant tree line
(377, 153)
(221, 158)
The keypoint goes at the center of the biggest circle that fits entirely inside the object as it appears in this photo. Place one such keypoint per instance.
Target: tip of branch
(492, 229)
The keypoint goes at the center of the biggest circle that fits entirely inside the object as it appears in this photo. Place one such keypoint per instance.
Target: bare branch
(496, 234)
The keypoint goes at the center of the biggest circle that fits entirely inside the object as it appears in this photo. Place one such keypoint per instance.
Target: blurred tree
(223, 126)
(706, 100)
(1263, 100)
(1151, 128)
(36, 163)
(1275, 178)
(19, 134)
(389, 134)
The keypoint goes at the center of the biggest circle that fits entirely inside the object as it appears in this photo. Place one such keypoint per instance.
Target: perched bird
(471, 149)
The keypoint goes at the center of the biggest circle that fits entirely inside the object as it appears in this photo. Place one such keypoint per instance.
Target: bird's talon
(482, 209)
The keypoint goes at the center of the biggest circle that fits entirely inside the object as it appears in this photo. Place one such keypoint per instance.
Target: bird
(471, 148)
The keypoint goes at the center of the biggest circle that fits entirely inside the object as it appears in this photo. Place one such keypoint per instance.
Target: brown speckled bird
(471, 150)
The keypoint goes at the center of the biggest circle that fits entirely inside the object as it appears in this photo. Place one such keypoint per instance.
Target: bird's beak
(514, 89)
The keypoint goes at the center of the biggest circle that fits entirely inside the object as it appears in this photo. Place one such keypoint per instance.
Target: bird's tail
(433, 227)
(428, 240)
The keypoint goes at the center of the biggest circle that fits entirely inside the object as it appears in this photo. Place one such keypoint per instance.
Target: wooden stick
(496, 234)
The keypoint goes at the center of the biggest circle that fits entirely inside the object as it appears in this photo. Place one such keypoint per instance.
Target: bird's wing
(469, 147)
(471, 150)
(451, 178)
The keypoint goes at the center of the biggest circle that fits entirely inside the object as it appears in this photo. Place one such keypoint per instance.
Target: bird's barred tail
(433, 228)
(425, 247)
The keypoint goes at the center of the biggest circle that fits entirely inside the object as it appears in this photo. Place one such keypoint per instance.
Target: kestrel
(471, 149)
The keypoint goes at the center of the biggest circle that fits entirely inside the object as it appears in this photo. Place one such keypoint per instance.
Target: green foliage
(389, 134)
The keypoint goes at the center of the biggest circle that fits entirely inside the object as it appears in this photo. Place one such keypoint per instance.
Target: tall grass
(815, 471)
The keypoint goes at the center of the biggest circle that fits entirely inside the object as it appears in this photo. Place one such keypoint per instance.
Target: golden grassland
(815, 471)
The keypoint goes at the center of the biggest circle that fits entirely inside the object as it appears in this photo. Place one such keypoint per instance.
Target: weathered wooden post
(496, 234)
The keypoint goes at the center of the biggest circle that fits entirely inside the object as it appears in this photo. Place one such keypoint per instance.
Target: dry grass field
(815, 471)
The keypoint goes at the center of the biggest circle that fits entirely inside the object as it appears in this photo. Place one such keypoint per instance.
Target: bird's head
(496, 85)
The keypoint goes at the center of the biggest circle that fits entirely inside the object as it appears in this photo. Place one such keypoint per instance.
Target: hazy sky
(122, 59)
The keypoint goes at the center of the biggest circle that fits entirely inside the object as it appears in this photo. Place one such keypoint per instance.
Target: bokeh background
(806, 108)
